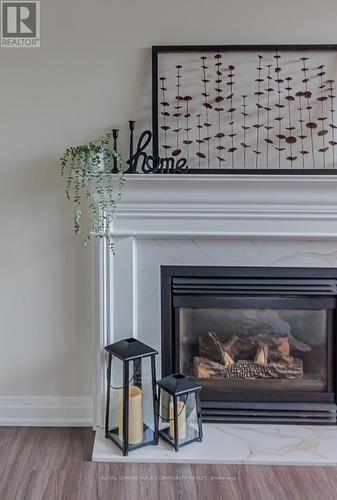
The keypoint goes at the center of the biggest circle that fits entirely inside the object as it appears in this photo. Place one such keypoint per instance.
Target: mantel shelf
(224, 205)
(231, 177)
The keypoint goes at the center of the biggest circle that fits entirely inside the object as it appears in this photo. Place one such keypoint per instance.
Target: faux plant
(94, 175)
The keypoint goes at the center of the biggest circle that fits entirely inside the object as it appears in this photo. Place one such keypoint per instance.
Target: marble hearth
(279, 221)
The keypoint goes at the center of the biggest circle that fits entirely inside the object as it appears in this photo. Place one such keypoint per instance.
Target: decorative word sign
(141, 161)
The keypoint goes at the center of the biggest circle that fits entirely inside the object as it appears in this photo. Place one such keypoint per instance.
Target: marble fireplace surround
(214, 220)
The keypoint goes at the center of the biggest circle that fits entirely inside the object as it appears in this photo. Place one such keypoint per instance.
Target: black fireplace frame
(317, 285)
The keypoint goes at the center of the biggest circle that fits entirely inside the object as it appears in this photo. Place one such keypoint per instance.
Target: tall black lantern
(179, 410)
(130, 419)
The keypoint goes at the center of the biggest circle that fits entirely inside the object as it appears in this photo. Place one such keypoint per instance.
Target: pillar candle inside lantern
(181, 411)
(136, 415)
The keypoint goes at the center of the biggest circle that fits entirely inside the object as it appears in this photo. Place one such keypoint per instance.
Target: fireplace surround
(220, 221)
(260, 340)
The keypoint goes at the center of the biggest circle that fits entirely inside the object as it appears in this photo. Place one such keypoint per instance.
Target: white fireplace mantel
(236, 220)
(226, 206)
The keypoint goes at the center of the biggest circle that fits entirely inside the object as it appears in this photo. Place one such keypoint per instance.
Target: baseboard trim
(49, 411)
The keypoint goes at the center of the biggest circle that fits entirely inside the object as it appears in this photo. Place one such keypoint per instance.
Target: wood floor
(54, 464)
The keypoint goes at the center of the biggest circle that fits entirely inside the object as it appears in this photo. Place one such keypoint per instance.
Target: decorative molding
(229, 236)
(102, 310)
(134, 286)
(302, 207)
(230, 178)
(46, 411)
(176, 211)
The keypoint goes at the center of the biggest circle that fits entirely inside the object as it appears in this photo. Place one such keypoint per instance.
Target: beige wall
(88, 75)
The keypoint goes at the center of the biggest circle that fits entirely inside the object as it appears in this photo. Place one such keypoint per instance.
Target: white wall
(87, 76)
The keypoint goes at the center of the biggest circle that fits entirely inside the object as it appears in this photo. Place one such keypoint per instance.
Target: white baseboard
(46, 411)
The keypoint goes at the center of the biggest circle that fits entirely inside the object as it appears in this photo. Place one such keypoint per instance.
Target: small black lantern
(130, 419)
(179, 403)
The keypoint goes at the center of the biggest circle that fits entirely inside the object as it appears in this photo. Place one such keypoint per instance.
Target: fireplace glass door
(260, 341)
(256, 348)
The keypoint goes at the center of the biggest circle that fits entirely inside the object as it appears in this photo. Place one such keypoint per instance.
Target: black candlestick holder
(115, 132)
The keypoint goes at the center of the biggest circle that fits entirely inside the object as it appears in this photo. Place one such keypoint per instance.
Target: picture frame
(289, 129)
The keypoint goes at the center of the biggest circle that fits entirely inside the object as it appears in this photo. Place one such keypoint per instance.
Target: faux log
(258, 356)
(205, 368)
(211, 347)
(235, 346)
(275, 344)
(243, 348)
(282, 345)
(228, 346)
(261, 357)
(219, 346)
(246, 369)
(292, 369)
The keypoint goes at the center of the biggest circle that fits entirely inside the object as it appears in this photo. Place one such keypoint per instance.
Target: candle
(181, 411)
(136, 415)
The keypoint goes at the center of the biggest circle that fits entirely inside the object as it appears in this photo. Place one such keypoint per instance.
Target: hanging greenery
(94, 178)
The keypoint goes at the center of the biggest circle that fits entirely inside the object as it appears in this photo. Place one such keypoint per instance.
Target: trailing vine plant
(91, 178)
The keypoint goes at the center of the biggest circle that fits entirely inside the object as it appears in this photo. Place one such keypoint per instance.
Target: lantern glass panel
(188, 429)
(140, 411)
(148, 399)
(115, 393)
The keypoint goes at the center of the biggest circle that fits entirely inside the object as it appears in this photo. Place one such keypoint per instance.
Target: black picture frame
(157, 50)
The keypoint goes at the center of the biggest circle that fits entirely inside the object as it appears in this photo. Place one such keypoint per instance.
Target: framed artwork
(253, 109)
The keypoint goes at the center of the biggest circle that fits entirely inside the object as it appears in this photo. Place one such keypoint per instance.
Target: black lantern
(130, 419)
(179, 403)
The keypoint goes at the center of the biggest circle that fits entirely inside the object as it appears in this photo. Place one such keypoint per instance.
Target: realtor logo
(20, 23)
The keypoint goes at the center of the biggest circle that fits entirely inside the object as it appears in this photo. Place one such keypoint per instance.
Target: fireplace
(260, 341)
